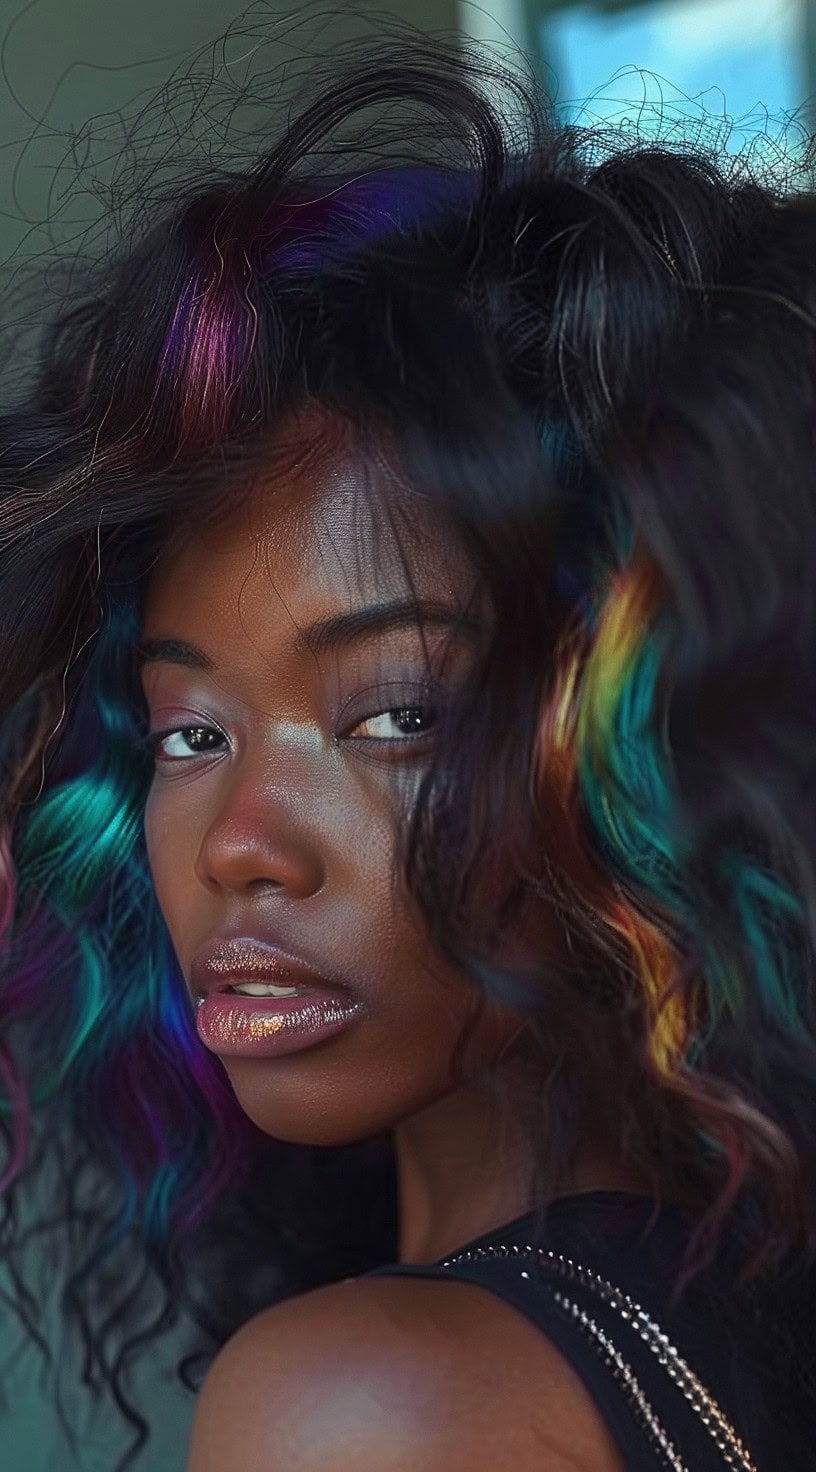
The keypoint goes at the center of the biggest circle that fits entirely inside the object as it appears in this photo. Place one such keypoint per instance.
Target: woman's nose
(256, 839)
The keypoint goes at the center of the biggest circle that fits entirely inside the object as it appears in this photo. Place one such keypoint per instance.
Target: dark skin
(261, 821)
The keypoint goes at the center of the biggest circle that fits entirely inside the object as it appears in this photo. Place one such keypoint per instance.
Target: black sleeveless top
(679, 1386)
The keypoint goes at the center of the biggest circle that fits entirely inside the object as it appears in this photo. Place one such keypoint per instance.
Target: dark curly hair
(595, 354)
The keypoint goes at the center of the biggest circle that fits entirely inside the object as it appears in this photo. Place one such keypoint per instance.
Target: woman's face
(282, 822)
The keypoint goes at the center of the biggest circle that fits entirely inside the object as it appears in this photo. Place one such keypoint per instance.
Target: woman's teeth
(265, 989)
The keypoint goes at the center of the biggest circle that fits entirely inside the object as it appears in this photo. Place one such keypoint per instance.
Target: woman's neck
(462, 1172)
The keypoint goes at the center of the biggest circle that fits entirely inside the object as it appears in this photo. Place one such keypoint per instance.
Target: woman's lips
(237, 1025)
(228, 961)
(266, 1027)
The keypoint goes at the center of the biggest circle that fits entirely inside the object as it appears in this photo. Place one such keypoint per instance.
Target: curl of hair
(595, 355)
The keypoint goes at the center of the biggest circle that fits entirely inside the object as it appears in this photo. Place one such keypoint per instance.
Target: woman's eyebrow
(173, 651)
(378, 618)
(327, 633)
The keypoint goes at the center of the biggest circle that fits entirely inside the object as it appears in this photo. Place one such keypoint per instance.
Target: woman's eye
(398, 724)
(189, 741)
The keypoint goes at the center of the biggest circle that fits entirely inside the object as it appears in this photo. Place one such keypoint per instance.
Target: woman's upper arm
(301, 1388)
(362, 1377)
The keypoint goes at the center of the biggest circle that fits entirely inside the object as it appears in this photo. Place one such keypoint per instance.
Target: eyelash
(151, 742)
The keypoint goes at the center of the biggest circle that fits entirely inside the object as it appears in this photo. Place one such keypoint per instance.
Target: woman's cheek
(169, 841)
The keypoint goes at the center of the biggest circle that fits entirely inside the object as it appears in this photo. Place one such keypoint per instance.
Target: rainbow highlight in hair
(603, 753)
(602, 746)
(596, 750)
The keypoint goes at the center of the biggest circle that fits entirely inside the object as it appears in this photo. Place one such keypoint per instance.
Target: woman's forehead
(330, 526)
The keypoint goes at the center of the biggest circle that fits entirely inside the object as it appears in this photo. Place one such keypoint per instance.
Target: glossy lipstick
(237, 1025)
(266, 1027)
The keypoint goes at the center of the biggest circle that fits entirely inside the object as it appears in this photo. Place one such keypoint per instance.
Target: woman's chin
(307, 1118)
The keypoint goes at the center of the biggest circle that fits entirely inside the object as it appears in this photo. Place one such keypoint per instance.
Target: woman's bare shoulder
(403, 1373)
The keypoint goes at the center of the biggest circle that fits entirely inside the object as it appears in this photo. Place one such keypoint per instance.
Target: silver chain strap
(731, 1448)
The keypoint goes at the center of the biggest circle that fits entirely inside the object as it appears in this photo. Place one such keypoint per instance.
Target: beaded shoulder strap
(732, 1450)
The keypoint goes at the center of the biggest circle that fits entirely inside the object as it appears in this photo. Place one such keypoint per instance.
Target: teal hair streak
(627, 790)
(142, 1087)
(79, 836)
(764, 903)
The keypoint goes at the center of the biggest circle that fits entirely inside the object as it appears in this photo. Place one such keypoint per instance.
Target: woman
(408, 732)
